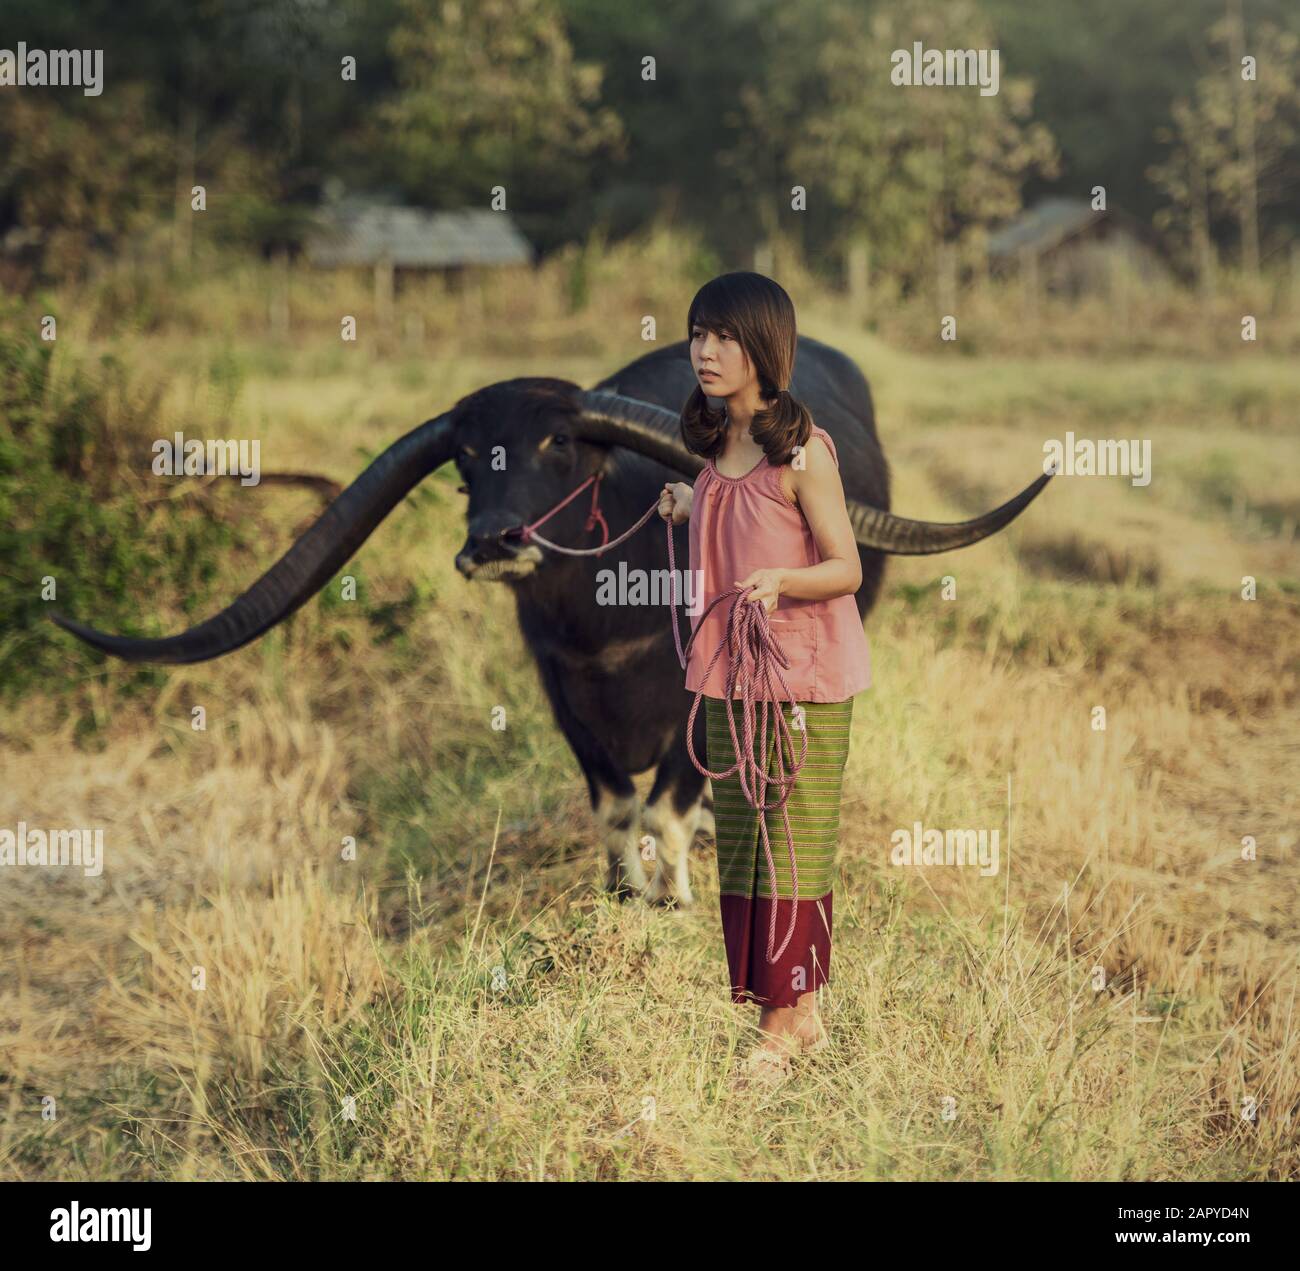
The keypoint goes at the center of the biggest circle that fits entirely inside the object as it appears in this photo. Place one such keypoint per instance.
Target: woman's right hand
(675, 501)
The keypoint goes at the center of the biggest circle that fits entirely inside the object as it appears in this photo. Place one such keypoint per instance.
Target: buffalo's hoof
(620, 888)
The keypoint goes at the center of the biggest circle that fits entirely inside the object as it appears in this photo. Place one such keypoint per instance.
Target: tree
(71, 180)
(908, 168)
(489, 94)
(1233, 144)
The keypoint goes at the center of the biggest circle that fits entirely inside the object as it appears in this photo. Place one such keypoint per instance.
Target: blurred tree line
(252, 100)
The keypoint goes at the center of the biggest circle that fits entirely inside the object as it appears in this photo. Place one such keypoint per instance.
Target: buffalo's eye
(560, 439)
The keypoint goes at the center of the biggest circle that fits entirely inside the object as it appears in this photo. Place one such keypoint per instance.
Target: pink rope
(754, 657)
(594, 517)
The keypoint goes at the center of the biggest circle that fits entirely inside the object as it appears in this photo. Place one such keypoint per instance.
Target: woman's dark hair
(757, 313)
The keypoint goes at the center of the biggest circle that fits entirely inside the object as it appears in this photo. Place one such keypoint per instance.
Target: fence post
(384, 291)
(947, 277)
(1029, 285)
(280, 294)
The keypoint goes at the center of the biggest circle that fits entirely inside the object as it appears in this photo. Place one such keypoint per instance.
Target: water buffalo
(610, 671)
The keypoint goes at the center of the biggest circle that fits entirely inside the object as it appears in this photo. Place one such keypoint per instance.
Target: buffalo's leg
(618, 815)
(613, 796)
(672, 816)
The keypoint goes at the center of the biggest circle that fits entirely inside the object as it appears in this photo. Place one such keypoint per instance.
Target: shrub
(76, 512)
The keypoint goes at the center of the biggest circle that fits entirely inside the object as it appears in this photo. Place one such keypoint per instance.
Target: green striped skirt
(749, 907)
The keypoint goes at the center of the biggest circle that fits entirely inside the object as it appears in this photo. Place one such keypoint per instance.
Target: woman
(768, 512)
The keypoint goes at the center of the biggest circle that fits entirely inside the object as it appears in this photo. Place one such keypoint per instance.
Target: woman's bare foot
(779, 1044)
(794, 1028)
(811, 1034)
(762, 1067)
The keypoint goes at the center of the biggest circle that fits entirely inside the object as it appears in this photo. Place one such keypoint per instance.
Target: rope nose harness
(755, 659)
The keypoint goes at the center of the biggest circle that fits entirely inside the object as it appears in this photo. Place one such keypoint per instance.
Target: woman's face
(719, 362)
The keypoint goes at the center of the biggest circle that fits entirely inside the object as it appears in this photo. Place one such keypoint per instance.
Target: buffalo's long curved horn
(654, 431)
(899, 536)
(306, 567)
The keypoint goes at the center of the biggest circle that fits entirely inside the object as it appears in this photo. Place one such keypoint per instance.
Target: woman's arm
(821, 497)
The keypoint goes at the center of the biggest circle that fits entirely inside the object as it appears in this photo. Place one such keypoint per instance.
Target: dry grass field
(462, 1001)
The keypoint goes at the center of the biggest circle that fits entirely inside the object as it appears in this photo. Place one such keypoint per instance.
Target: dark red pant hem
(745, 922)
(745, 998)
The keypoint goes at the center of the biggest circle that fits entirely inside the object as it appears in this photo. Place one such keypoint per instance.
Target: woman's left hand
(767, 587)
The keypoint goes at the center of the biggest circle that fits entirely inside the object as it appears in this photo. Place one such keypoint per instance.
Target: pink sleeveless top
(738, 525)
